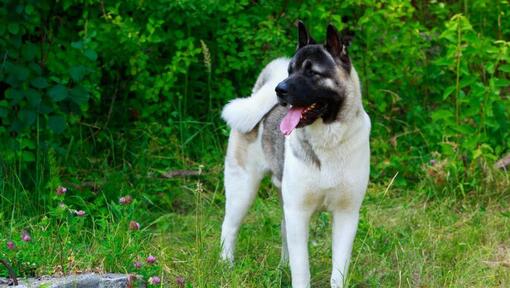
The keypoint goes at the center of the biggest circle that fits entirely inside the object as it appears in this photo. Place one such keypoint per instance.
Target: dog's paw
(227, 258)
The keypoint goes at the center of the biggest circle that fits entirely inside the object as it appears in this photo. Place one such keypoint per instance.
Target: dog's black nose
(282, 89)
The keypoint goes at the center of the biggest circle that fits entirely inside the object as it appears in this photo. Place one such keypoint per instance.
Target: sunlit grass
(406, 237)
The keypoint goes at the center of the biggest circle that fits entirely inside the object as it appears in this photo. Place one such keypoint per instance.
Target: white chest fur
(339, 182)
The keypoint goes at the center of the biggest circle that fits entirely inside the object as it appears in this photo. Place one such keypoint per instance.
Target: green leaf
(79, 95)
(14, 94)
(448, 91)
(77, 44)
(27, 143)
(33, 97)
(442, 114)
(500, 82)
(57, 123)
(4, 109)
(20, 72)
(45, 109)
(29, 51)
(91, 54)
(57, 93)
(36, 68)
(464, 129)
(39, 82)
(3, 112)
(28, 156)
(77, 72)
(490, 67)
(27, 117)
(504, 68)
(29, 9)
(13, 28)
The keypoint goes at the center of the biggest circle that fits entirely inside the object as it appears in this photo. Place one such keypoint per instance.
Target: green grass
(404, 240)
(417, 235)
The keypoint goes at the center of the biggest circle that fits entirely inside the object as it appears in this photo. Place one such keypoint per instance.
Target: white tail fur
(243, 114)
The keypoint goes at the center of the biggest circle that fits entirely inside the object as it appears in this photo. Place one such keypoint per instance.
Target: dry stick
(503, 163)
(94, 186)
(12, 275)
(497, 263)
(110, 110)
(179, 173)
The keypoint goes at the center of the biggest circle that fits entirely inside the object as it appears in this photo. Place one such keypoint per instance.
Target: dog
(305, 124)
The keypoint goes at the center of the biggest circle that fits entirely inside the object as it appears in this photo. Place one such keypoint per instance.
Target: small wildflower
(26, 237)
(11, 245)
(61, 190)
(133, 225)
(137, 264)
(432, 162)
(125, 200)
(151, 259)
(62, 205)
(79, 213)
(180, 281)
(154, 280)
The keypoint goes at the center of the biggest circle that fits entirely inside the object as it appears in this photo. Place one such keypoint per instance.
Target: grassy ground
(402, 242)
(405, 238)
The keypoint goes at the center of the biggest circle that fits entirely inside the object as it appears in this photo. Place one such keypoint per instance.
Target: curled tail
(243, 114)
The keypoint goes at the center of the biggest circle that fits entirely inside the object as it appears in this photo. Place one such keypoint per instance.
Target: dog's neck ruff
(325, 137)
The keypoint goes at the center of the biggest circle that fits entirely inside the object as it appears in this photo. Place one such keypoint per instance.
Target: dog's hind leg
(284, 258)
(242, 178)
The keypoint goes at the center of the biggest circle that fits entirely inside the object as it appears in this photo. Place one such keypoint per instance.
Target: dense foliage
(82, 75)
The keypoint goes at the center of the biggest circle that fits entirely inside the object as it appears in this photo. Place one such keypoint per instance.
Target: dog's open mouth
(298, 117)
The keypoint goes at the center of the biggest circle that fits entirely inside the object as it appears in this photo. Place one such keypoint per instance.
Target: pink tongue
(291, 120)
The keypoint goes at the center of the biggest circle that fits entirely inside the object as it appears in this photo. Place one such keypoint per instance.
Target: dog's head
(319, 79)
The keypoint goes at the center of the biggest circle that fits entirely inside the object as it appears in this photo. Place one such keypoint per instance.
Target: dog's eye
(312, 73)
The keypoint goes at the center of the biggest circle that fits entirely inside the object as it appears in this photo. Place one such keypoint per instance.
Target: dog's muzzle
(282, 91)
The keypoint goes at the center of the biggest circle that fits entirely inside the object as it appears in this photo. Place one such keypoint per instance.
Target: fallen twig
(180, 173)
(497, 263)
(12, 275)
(503, 163)
(94, 186)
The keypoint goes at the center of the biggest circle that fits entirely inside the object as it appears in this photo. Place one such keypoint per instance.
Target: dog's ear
(333, 43)
(303, 37)
(337, 45)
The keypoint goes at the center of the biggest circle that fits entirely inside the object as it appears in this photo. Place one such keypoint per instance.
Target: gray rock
(89, 280)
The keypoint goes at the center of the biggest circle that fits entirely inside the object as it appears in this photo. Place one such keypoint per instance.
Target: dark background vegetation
(98, 92)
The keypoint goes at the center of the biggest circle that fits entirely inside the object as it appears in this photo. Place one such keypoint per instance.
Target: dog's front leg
(345, 224)
(297, 220)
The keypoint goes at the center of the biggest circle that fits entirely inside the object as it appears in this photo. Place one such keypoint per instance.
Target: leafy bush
(47, 78)
(82, 75)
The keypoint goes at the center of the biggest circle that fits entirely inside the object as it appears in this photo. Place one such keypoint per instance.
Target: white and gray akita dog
(305, 124)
